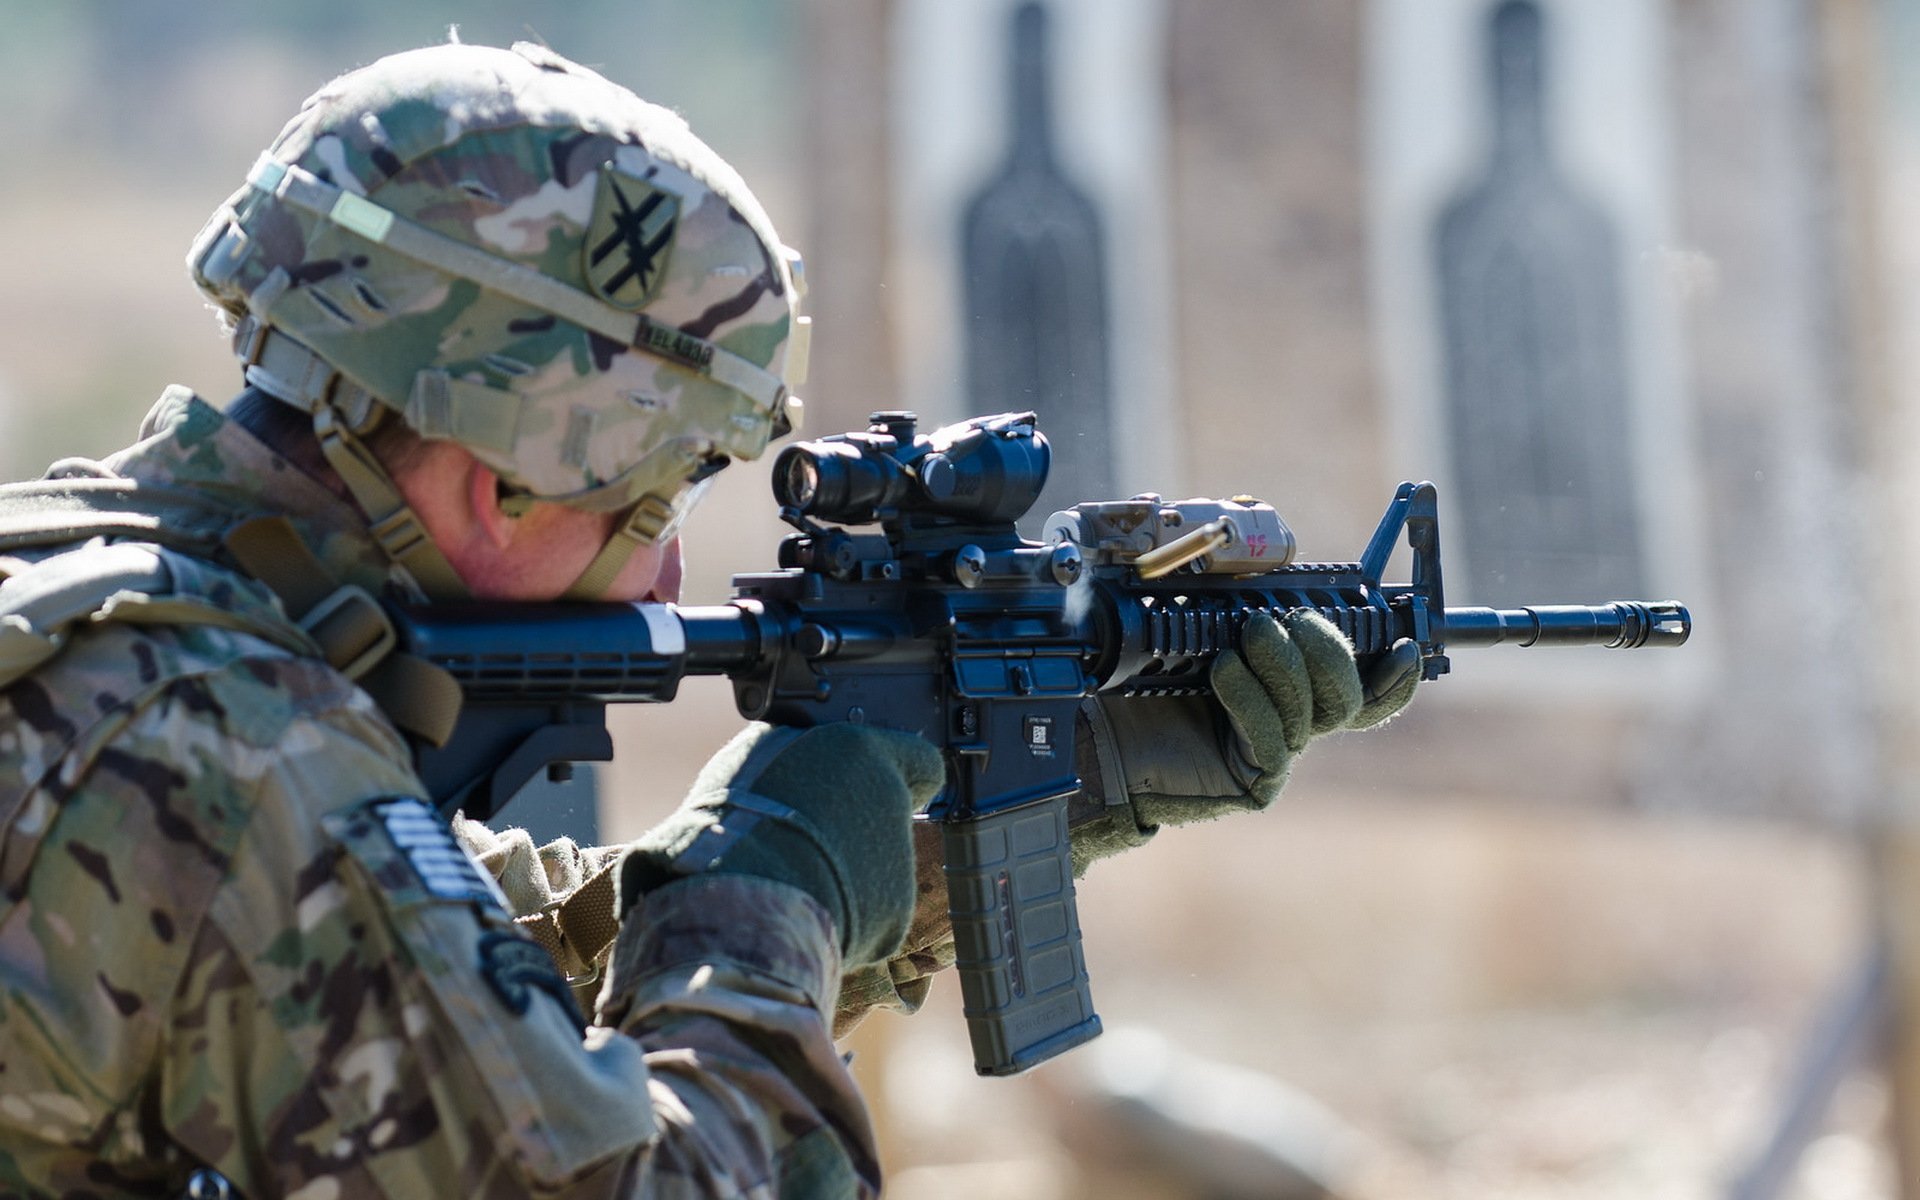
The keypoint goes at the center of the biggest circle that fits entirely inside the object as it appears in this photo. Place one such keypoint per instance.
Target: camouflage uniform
(231, 931)
(222, 944)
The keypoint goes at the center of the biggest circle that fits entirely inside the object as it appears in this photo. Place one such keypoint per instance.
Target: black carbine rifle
(908, 600)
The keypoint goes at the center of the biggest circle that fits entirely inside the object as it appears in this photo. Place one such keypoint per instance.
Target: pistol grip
(1016, 930)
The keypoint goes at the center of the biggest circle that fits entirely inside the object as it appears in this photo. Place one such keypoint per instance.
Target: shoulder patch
(423, 858)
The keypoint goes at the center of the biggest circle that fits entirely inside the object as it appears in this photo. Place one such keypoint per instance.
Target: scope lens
(801, 480)
(839, 480)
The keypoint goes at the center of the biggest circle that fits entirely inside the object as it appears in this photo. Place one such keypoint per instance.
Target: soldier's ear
(492, 509)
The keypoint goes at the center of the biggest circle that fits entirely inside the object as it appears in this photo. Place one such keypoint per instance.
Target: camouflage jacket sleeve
(540, 877)
(357, 1009)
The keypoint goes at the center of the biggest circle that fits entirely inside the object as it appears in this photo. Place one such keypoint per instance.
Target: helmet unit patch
(627, 243)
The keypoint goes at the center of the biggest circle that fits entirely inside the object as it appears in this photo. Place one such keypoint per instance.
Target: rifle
(945, 622)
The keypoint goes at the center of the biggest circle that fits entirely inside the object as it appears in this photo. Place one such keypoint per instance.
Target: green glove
(828, 810)
(1170, 760)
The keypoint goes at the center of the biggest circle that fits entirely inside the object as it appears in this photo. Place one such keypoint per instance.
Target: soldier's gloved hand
(1173, 760)
(828, 810)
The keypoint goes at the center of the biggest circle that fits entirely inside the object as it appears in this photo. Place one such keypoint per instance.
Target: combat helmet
(506, 250)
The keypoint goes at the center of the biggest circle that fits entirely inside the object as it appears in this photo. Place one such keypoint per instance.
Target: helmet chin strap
(654, 520)
(390, 518)
(413, 553)
(293, 374)
(643, 525)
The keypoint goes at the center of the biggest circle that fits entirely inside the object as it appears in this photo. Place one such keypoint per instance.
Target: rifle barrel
(1622, 624)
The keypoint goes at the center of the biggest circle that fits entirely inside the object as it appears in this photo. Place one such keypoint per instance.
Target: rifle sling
(353, 631)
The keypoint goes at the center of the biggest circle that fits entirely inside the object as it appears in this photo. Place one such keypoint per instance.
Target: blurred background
(1633, 282)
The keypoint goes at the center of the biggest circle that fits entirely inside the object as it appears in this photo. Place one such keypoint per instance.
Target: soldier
(500, 322)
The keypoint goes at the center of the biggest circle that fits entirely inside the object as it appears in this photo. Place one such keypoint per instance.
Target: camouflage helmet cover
(516, 254)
